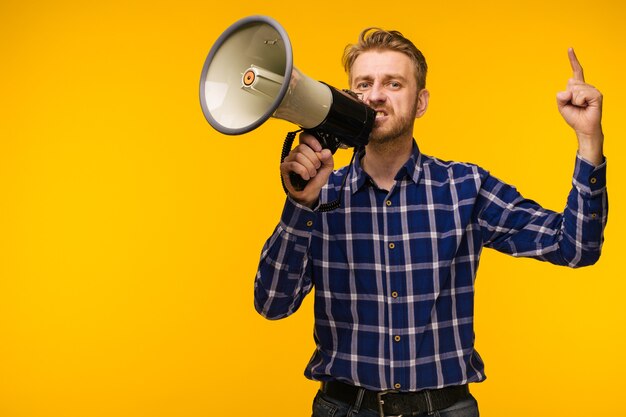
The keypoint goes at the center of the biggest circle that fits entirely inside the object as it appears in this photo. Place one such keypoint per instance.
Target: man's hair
(376, 39)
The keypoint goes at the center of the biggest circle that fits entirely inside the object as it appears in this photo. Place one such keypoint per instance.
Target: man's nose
(376, 94)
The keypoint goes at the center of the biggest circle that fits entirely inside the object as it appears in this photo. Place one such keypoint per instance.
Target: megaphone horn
(249, 77)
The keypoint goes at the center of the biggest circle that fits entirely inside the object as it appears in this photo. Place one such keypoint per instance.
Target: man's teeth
(379, 113)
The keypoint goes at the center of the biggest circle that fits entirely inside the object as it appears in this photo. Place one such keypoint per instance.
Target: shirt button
(394, 294)
(397, 386)
(594, 215)
(397, 338)
(593, 180)
(388, 202)
(392, 245)
(309, 223)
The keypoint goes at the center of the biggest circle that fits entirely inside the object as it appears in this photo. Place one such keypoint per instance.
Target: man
(394, 268)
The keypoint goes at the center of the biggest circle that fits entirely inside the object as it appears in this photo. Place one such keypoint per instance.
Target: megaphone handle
(294, 178)
(297, 182)
(327, 140)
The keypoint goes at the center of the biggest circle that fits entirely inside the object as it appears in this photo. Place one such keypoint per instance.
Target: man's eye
(362, 85)
(394, 84)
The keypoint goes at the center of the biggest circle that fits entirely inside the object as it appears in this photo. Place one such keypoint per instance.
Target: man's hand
(312, 163)
(581, 107)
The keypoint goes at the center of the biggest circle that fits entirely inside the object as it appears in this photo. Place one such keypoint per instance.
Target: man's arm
(521, 227)
(283, 278)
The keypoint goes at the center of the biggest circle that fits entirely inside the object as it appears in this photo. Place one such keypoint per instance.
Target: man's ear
(422, 102)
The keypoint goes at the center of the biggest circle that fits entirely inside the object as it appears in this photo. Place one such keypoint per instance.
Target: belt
(396, 403)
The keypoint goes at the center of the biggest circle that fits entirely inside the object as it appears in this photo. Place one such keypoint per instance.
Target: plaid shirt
(394, 271)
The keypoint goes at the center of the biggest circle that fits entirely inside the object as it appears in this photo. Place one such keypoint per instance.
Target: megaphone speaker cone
(249, 77)
(231, 100)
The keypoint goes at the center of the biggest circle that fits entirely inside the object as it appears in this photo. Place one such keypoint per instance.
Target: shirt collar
(411, 169)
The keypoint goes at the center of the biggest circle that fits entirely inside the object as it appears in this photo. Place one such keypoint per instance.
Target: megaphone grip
(297, 182)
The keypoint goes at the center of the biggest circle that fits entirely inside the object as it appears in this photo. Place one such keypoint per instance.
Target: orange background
(130, 230)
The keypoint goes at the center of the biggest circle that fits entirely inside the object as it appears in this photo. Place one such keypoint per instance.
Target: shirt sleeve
(520, 227)
(283, 278)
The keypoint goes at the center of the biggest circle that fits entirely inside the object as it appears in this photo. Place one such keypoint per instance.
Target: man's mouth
(380, 113)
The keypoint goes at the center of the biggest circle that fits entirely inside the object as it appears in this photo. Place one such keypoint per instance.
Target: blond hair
(374, 38)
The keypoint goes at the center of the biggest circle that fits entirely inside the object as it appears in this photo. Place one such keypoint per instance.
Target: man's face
(386, 81)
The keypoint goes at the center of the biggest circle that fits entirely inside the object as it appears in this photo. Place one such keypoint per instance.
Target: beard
(394, 129)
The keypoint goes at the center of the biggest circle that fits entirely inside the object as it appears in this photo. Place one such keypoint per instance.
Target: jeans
(324, 406)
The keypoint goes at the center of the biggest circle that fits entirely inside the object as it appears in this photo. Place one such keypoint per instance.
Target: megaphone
(249, 77)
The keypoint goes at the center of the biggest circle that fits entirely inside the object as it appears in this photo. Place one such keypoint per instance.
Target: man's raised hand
(581, 107)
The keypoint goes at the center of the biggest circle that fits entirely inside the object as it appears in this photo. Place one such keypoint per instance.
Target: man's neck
(382, 161)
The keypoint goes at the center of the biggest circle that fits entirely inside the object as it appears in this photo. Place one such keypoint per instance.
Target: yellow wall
(130, 230)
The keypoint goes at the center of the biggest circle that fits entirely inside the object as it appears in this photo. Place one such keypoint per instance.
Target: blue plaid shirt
(394, 271)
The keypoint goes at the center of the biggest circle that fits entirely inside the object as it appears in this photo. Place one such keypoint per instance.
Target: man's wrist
(305, 203)
(591, 148)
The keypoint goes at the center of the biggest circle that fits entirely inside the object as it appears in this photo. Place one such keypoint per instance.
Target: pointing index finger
(576, 67)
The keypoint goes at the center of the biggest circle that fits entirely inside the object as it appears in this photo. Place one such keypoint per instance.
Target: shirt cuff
(297, 219)
(589, 179)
